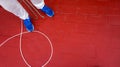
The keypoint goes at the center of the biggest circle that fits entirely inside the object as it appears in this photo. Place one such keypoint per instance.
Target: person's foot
(28, 24)
(48, 11)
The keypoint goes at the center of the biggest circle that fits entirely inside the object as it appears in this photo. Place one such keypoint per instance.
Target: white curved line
(21, 52)
(8, 39)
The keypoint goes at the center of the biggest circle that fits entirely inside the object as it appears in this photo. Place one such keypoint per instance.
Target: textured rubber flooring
(84, 33)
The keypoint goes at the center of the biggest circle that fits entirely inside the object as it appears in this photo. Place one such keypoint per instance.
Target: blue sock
(28, 24)
(48, 11)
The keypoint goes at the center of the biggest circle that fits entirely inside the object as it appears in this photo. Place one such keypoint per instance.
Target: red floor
(84, 33)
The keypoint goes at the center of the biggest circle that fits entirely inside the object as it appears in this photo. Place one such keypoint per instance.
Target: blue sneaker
(48, 11)
(28, 24)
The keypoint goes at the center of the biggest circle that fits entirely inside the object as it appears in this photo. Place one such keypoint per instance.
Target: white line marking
(21, 52)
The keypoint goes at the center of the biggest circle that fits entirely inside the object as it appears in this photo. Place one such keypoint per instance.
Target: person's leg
(15, 7)
(40, 4)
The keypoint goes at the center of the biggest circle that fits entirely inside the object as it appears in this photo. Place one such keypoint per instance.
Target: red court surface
(84, 33)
